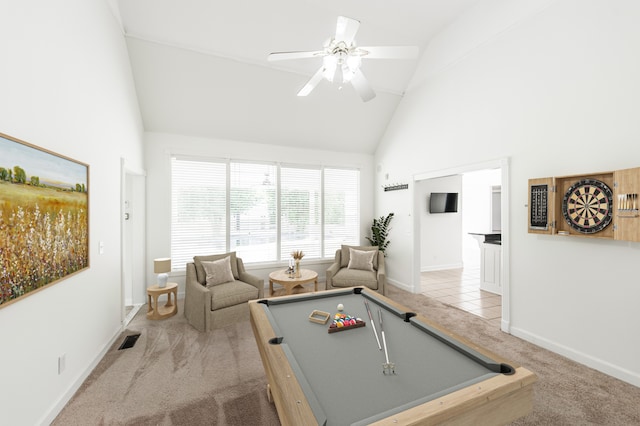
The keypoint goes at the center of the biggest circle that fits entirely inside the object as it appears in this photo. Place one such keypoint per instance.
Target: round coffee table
(290, 281)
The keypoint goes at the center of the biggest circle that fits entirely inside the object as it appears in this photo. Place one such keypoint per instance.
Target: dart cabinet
(597, 205)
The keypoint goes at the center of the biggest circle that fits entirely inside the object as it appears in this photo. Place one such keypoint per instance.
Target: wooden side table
(289, 282)
(167, 310)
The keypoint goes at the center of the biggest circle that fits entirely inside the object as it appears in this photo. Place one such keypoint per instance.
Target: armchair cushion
(355, 277)
(201, 274)
(231, 293)
(361, 259)
(218, 271)
(345, 256)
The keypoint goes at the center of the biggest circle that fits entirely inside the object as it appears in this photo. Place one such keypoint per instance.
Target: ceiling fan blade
(362, 86)
(388, 52)
(312, 83)
(282, 56)
(346, 29)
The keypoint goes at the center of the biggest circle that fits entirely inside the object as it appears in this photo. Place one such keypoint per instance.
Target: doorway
(133, 243)
(467, 251)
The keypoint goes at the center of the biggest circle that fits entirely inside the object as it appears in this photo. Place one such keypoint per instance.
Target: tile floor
(461, 288)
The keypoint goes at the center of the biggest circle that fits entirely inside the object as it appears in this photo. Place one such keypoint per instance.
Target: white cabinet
(490, 260)
(490, 267)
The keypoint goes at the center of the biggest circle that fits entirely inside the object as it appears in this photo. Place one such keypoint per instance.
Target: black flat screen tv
(443, 202)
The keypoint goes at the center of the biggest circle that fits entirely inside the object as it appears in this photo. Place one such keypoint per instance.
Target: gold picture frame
(44, 218)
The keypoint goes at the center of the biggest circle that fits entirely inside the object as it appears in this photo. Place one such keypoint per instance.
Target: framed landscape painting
(44, 218)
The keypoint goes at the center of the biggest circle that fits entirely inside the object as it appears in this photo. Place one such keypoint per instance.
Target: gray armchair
(207, 307)
(341, 275)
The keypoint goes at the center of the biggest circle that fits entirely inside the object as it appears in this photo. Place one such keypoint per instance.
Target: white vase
(162, 280)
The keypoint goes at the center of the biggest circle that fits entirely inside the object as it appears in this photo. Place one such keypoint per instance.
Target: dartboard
(588, 206)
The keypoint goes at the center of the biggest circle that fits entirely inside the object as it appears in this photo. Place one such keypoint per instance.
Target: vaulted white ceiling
(200, 67)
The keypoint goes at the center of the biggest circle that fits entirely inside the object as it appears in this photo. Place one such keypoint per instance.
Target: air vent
(129, 341)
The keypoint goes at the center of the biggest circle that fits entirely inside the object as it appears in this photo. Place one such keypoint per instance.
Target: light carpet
(175, 375)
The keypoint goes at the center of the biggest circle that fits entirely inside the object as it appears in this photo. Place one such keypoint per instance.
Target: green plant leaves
(380, 231)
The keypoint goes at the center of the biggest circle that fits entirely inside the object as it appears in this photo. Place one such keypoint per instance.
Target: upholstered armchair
(217, 289)
(358, 266)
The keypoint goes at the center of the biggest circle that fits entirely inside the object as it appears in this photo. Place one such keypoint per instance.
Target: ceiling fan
(341, 59)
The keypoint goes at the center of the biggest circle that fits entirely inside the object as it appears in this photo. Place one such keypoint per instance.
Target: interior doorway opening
(449, 260)
(133, 226)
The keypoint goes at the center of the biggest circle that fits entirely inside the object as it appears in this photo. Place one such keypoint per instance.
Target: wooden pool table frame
(495, 401)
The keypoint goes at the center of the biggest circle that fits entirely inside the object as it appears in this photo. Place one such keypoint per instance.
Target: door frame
(503, 165)
(131, 175)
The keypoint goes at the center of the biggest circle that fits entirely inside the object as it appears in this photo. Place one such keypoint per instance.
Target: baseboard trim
(400, 285)
(505, 326)
(580, 357)
(75, 385)
(441, 267)
(132, 313)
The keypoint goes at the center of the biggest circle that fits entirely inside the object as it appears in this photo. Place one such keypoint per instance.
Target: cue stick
(388, 365)
(373, 324)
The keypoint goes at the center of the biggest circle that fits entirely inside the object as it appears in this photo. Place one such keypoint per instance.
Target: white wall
(554, 87)
(440, 234)
(67, 87)
(158, 150)
(476, 193)
(477, 210)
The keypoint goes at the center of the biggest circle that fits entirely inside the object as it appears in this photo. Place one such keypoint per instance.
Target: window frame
(280, 257)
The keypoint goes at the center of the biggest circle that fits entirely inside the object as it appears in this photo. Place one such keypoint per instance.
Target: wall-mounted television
(443, 202)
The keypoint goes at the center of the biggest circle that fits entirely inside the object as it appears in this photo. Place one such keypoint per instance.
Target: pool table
(317, 377)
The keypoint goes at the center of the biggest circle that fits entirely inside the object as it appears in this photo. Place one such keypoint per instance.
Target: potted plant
(379, 232)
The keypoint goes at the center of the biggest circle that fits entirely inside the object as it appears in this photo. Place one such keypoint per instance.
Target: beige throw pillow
(218, 271)
(201, 275)
(360, 259)
(344, 258)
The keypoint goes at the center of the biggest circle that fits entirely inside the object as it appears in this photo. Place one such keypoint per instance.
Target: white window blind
(252, 202)
(341, 209)
(300, 211)
(198, 210)
(262, 211)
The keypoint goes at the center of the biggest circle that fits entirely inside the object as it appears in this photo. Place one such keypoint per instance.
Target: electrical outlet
(62, 363)
(101, 247)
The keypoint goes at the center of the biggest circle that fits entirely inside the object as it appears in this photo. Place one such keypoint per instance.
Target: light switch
(62, 363)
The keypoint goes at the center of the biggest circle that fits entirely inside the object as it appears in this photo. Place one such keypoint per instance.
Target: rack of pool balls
(343, 322)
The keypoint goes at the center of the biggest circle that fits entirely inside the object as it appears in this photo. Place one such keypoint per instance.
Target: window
(263, 211)
(300, 211)
(252, 212)
(341, 209)
(198, 210)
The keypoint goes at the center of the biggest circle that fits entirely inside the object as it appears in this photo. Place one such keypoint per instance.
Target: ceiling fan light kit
(342, 59)
(345, 65)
